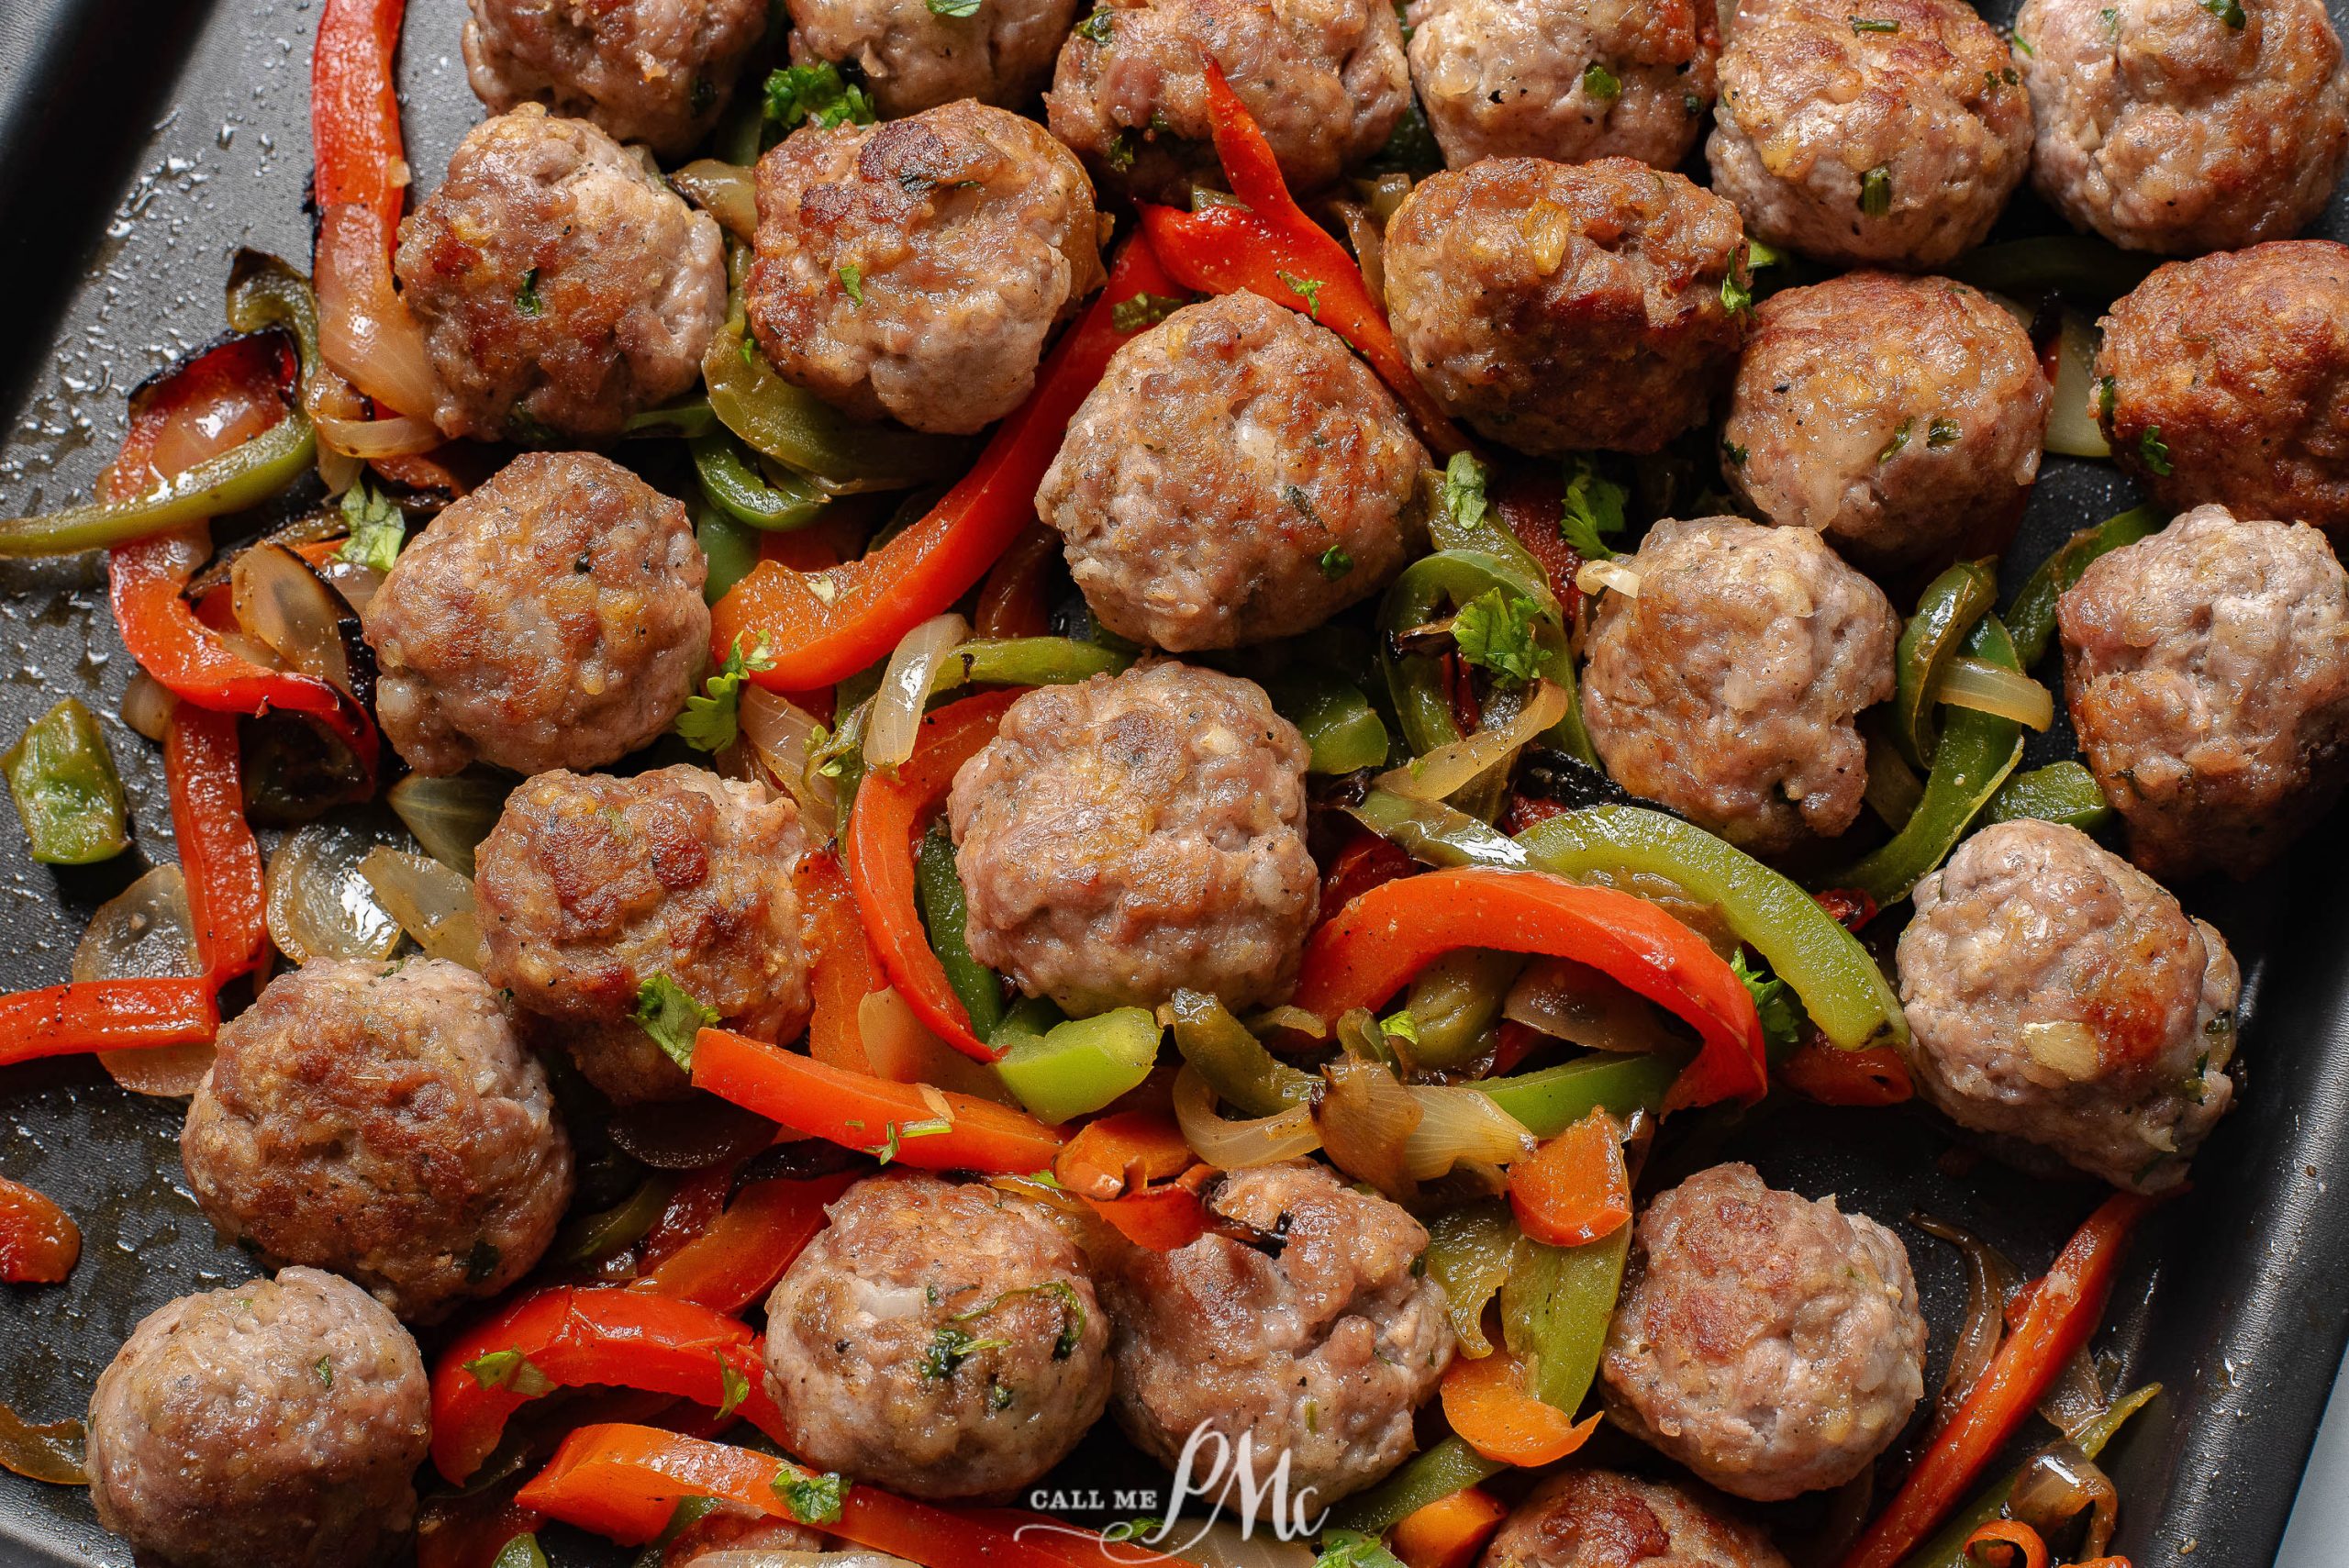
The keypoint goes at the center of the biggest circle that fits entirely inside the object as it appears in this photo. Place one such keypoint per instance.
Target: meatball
(275, 1424)
(1557, 308)
(2163, 127)
(1891, 136)
(1569, 79)
(591, 886)
(2058, 995)
(1136, 835)
(2226, 379)
(914, 58)
(658, 71)
(1325, 78)
(1237, 476)
(561, 285)
(2207, 670)
(1316, 1350)
(1770, 1343)
(1728, 688)
(1892, 414)
(382, 1121)
(551, 618)
(729, 1531)
(913, 270)
(1598, 1518)
(941, 1341)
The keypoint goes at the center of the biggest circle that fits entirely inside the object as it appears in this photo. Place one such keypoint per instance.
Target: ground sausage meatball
(913, 270)
(937, 1339)
(1598, 1518)
(2163, 128)
(2226, 379)
(561, 285)
(1728, 687)
(1559, 309)
(2058, 995)
(1569, 79)
(1142, 833)
(1894, 415)
(1237, 476)
(914, 57)
(551, 618)
(275, 1424)
(2207, 670)
(1325, 78)
(590, 886)
(1770, 1343)
(730, 1529)
(1892, 144)
(381, 1120)
(658, 71)
(1318, 1349)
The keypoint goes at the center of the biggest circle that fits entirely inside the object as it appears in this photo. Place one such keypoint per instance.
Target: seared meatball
(561, 285)
(1125, 839)
(937, 1339)
(275, 1424)
(1770, 1343)
(2207, 669)
(2163, 128)
(2226, 379)
(913, 270)
(1559, 309)
(1892, 144)
(1892, 414)
(1237, 476)
(730, 1529)
(551, 618)
(914, 58)
(1728, 688)
(1318, 1350)
(1326, 79)
(382, 1121)
(658, 71)
(1598, 1518)
(590, 886)
(2058, 995)
(1569, 79)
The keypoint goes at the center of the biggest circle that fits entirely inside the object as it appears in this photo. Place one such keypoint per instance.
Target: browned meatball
(937, 1339)
(2167, 125)
(2226, 379)
(1317, 1351)
(1770, 1343)
(1728, 687)
(915, 57)
(2207, 671)
(590, 886)
(913, 270)
(553, 619)
(1892, 414)
(561, 285)
(1894, 143)
(730, 1530)
(1325, 78)
(1138, 834)
(382, 1121)
(1237, 476)
(1597, 1518)
(2056, 994)
(658, 71)
(1559, 309)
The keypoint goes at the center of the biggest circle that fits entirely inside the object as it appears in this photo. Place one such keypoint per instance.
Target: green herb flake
(1298, 501)
(1355, 1549)
(1873, 25)
(1307, 289)
(1737, 297)
(999, 1396)
(2154, 452)
(525, 298)
(2106, 388)
(1875, 191)
(520, 1551)
(950, 1347)
(669, 1014)
(810, 1499)
(1692, 105)
(711, 721)
(894, 1135)
(1781, 1018)
(852, 281)
(2111, 23)
(1942, 433)
(512, 1371)
(1592, 512)
(733, 1387)
(961, 10)
(1336, 562)
(1122, 147)
(1400, 1025)
(1143, 310)
(1097, 28)
(1601, 83)
(325, 1369)
(1132, 1529)
(1736, 454)
(818, 94)
(377, 529)
(1495, 632)
(2023, 44)
(1893, 448)
(2227, 11)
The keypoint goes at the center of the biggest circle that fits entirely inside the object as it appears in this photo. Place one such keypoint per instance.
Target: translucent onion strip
(1449, 768)
(451, 816)
(725, 192)
(145, 932)
(365, 332)
(1233, 1145)
(1987, 689)
(367, 438)
(778, 732)
(319, 902)
(1456, 1124)
(1597, 574)
(902, 1050)
(904, 687)
(2072, 427)
(432, 904)
(1575, 1003)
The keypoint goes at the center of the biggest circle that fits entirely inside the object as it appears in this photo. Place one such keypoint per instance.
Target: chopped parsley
(1873, 25)
(1336, 562)
(816, 94)
(1495, 632)
(1736, 454)
(2023, 44)
(1307, 289)
(733, 1387)
(1736, 297)
(1355, 1549)
(325, 1369)
(377, 529)
(1875, 191)
(2227, 11)
(1941, 433)
(895, 1133)
(2154, 452)
(1400, 1025)
(525, 298)
(1601, 83)
(1692, 105)
(1072, 1332)
(1122, 147)
(852, 279)
(1143, 310)
(1892, 448)
(509, 1370)
(672, 1015)
(1462, 495)
(951, 1347)
(2111, 23)
(810, 1499)
(959, 9)
(712, 720)
(1097, 28)
(1591, 511)
(1781, 1019)
(2105, 390)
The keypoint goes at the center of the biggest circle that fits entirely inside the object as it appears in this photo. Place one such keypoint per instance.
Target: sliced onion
(1366, 1121)
(1297, 1020)
(1369, 243)
(1597, 574)
(1575, 1003)
(355, 581)
(2057, 1485)
(1459, 1123)
(451, 816)
(1990, 688)
(904, 687)
(364, 439)
(902, 1050)
(2076, 1398)
(2072, 427)
(778, 732)
(1387, 193)
(432, 904)
(2065, 1047)
(724, 190)
(1893, 787)
(1449, 768)
(145, 932)
(1991, 1281)
(1234, 1145)
(365, 332)
(147, 706)
(327, 396)
(321, 904)
(289, 608)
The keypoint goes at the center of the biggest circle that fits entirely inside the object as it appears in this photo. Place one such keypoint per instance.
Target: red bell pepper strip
(1369, 950)
(355, 109)
(845, 970)
(822, 626)
(2062, 1311)
(39, 1241)
(1575, 1188)
(105, 1014)
(1832, 1076)
(911, 1124)
(1134, 1170)
(887, 821)
(1269, 247)
(1012, 600)
(2025, 1547)
(737, 1259)
(217, 854)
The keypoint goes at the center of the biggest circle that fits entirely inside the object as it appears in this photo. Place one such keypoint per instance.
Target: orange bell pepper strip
(822, 626)
(40, 1243)
(105, 1014)
(355, 109)
(1485, 1400)
(2023, 1547)
(845, 971)
(1373, 946)
(1450, 1532)
(225, 893)
(2061, 1313)
(1575, 1188)
(1134, 1170)
(1832, 1076)
(737, 1259)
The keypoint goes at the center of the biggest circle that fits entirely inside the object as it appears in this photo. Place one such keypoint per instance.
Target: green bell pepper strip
(736, 487)
(2061, 792)
(1234, 1062)
(593, 1238)
(803, 432)
(1415, 682)
(1430, 1475)
(1452, 1003)
(1553, 1099)
(1946, 1547)
(1025, 661)
(1342, 729)
(692, 419)
(1076, 1066)
(2087, 271)
(729, 547)
(68, 795)
(946, 912)
(1469, 1252)
(1432, 831)
(1555, 1306)
(1946, 611)
(2031, 620)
